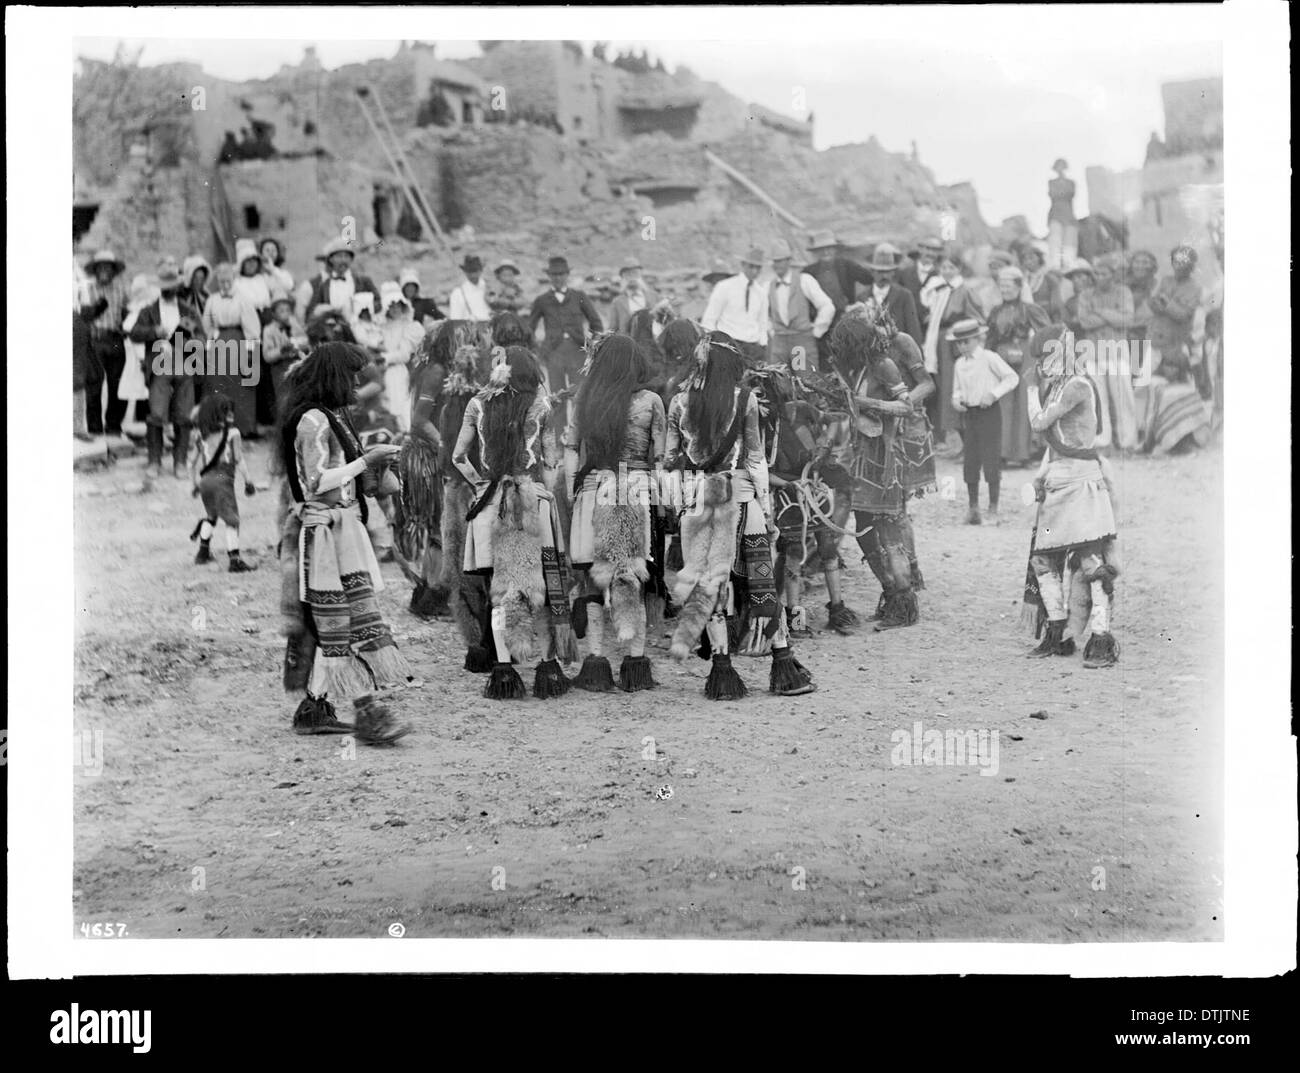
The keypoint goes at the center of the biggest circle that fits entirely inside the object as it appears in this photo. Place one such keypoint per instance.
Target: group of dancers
(680, 486)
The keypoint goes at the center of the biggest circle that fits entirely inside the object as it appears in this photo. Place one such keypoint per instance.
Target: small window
(283, 223)
(252, 218)
(577, 122)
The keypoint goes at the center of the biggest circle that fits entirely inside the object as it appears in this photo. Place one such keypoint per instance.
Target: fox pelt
(457, 496)
(289, 526)
(708, 534)
(619, 567)
(518, 586)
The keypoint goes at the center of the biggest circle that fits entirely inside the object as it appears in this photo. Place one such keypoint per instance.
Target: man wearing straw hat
(107, 295)
(636, 295)
(888, 295)
(738, 306)
(164, 327)
(338, 283)
(507, 296)
(793, 298)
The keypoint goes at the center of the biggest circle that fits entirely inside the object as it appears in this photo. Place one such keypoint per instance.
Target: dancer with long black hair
(513, 533)
(615, 445)
(338, 645)
(715, 442)
(881, 402)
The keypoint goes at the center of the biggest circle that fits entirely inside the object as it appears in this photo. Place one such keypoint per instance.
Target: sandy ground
(199, 814)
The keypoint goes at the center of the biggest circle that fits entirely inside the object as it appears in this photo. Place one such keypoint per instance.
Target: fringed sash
(338, 576)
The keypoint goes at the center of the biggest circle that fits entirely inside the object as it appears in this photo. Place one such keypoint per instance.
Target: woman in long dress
(1011, 326)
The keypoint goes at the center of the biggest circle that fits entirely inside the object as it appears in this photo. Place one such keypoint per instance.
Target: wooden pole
(754, 189)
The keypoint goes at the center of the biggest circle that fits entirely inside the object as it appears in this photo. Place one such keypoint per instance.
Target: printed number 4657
(103, 931)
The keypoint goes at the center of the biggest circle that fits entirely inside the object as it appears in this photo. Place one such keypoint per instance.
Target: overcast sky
(989, 95)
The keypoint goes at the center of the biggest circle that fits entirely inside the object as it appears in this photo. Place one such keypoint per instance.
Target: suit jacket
(563, 321)
(622, 311)
(320, 291)
(839, 278)
(901, 306)
(909, 276)
(150, 320)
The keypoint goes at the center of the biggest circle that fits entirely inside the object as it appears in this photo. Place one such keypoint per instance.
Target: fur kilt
(603, 497)
(1076, 508)
(914, 443)
(723, 533)
(517, 536)
(876, 470)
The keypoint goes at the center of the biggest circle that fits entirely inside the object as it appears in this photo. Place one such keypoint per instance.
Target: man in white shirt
(793, 298)
(469, 300)
(739, 307)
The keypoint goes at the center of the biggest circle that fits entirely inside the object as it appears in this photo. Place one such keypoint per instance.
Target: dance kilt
(635, 487)
(877, 472)
(914, 443)
(1076, 508)
(478, 531)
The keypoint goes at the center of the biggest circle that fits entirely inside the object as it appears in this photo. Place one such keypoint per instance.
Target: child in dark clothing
(216, 460)
(980, 378)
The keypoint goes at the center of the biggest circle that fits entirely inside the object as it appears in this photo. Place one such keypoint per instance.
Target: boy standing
(980, 378)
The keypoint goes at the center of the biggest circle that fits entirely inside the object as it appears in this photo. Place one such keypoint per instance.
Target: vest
(797, 309)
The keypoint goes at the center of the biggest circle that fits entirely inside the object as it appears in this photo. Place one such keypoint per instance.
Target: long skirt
(243, 396)
(949, 419)
(132, 387)
(1017, 436)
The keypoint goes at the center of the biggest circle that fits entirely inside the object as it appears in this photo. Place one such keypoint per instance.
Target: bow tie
(339, 275)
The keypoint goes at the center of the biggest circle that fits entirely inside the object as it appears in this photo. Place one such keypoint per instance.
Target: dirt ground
(199, 814)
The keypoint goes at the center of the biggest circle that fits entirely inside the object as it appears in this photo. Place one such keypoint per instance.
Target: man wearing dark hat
(922, 266)
(693, 308)
(107, 295)
(469, 301)
(565, 314)
(338, 283)
(838, 276)
(895, 300)
(165, 328)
